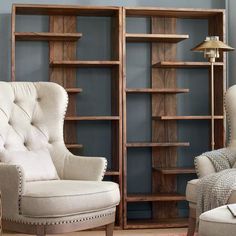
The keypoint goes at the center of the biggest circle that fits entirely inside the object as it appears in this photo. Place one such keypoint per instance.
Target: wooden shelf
(183, 64)
(74, 90)
(154, 197)
(157, 223)
(112, 173)
(78, 118)
(84, 63)
(167, 38)
(75, 146)
(187, 117)
(46, 36)
(172, 12)
(156, 90)
(175, 170)
(64, 10)
(150, 144)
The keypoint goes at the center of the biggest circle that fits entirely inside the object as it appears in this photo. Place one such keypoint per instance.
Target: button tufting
(9, 122)
(25, 144)
(38, 99)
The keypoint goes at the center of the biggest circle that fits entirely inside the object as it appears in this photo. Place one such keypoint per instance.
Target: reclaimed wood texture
(163, 131)
(65, 50)
(216, 26)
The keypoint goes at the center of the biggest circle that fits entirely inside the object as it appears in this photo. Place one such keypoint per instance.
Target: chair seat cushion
(192, 190)
(217, 222)
(57, 198)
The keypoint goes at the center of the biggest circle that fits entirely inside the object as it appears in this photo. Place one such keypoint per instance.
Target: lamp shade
(212, 42)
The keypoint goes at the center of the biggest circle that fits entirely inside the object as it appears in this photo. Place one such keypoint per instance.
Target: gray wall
(32, 64)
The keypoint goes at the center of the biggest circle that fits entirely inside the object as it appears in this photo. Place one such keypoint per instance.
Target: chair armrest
(203, 166)
(84, 168)
(11, 187)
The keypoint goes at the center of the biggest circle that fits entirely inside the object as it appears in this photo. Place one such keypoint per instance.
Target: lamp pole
(212, 107)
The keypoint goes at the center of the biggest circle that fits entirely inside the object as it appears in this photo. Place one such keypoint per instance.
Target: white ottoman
(217, 222)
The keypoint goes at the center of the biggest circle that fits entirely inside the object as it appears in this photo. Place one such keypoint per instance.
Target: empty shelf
(152, 197)
(75, 146)
(167, 144)
(38, 36)
(175, 170)
(78, 118)
(156, 90)
(157, 223)
(84, 63)
(74, 90)
(182, 64)
(163, 38)
(112, 173)
(187, 117)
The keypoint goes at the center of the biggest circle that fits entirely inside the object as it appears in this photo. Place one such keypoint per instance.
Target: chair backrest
(230, 106)
(32, 117)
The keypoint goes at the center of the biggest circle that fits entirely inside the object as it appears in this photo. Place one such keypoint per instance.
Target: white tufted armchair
(31, 118)
(203, 164)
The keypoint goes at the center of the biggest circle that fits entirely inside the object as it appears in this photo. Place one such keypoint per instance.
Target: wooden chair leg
(109, 229)
(40, 230)
(191, 222)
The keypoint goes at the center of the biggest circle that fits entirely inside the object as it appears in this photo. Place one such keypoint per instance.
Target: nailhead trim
(104, 170)
(19, 188)
(62, 222)
(227, 109)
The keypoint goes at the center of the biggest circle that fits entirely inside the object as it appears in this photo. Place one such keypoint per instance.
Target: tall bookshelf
(64, 64)
(164, 91)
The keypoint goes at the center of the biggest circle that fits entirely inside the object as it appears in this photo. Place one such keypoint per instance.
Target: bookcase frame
(163, 92)
(62, 40)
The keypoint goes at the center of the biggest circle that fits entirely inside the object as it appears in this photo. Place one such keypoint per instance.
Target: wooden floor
(144, 232)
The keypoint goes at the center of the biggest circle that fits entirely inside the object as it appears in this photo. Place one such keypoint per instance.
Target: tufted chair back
(32, 117)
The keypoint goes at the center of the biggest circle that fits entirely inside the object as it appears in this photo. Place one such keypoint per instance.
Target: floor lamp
(211, 47)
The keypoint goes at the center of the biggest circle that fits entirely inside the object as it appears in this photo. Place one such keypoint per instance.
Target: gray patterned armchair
(75, 198)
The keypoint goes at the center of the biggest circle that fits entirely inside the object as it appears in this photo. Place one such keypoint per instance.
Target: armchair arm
(11, 187)
(203, 166)
(84, 168)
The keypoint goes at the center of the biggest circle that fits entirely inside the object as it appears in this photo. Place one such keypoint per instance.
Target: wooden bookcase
(164, 144)
(62, 40)
(163, 38)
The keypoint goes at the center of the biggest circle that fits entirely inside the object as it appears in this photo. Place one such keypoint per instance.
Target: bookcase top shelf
(167, 38)
(172, 12)
(64, 10)
(47, 36)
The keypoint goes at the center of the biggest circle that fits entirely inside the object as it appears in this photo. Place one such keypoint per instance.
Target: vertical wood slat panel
(65, 76)
(163, 105)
